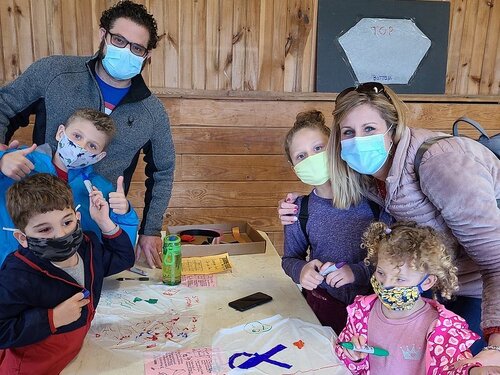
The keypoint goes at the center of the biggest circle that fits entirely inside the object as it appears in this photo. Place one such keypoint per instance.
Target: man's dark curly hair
(134, 12)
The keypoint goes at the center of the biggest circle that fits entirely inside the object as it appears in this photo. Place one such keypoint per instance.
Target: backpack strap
(422, 150)
(470, 121)
(375, 209)
(304, 215)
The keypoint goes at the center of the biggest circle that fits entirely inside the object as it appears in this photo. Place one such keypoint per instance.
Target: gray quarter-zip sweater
(52, 88)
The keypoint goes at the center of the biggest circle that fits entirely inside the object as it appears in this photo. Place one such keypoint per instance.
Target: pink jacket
(450, 329)
(456, 195)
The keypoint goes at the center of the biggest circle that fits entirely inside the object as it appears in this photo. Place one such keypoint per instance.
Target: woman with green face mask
(334, 272)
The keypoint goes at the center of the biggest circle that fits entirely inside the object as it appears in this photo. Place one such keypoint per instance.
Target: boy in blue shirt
(81, 143)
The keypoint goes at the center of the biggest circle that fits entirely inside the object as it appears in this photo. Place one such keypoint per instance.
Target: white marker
(333, 267)
(88, 185)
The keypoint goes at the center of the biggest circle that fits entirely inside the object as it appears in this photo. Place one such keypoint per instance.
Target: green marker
(365, 349)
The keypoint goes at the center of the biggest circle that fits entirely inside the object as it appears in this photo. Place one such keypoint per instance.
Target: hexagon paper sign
(385, 50)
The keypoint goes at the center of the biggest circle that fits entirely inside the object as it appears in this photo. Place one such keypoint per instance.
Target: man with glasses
(52, 88)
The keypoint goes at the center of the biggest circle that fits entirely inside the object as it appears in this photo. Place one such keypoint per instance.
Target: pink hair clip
(388, 230)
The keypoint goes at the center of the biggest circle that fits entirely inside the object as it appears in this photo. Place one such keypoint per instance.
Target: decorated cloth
(276, 345)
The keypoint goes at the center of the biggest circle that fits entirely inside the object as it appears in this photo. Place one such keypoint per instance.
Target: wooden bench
(230, 159)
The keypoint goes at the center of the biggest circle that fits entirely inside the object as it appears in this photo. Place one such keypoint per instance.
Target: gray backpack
(492, 143)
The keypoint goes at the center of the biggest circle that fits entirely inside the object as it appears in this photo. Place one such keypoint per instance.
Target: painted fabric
(147, 317)
(276, 345)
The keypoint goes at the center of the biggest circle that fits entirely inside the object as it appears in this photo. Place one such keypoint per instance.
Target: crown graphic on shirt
(411, 353)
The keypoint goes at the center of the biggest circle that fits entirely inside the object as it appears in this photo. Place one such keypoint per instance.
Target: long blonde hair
(347, 184)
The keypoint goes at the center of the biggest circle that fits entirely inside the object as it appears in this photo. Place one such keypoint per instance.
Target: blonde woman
(372, 153)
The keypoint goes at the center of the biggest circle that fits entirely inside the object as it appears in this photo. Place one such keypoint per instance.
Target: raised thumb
(14, 144)
(119, 185)
(28, 150)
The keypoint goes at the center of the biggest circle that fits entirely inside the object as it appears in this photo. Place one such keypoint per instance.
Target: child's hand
(99, 211)
(309, 276)
(287, 209)
(117, 200)
(16, 165)
(340, 277)
(485, 370)
(359, 342)
(70, 310)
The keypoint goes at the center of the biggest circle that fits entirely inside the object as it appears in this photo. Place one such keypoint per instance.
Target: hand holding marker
(333, 267)
(365, 349)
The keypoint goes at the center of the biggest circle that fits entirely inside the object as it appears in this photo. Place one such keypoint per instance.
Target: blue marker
(333, 267)
(86, 293)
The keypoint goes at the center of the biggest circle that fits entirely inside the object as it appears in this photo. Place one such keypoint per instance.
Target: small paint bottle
(172, 260)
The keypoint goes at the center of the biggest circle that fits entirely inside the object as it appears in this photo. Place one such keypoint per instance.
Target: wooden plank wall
(264, 45)
(230, 159)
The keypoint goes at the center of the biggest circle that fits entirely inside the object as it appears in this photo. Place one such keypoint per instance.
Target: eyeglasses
(365, 88)
(120, 42)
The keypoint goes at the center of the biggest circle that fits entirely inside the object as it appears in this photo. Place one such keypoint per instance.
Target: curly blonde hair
(420, 247)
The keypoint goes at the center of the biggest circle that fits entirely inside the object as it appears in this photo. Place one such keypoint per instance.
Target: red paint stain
(299, 344)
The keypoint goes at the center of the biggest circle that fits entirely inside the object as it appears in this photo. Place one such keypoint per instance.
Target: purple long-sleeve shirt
(335, 236)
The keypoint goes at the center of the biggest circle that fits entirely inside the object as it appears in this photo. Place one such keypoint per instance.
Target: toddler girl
(419, 334)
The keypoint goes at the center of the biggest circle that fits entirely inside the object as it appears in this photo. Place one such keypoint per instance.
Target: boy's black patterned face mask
(56, 249)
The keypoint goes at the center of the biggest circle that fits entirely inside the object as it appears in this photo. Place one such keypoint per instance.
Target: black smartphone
(250, 301)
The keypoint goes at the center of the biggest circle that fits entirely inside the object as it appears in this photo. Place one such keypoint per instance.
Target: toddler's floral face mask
(398, 298)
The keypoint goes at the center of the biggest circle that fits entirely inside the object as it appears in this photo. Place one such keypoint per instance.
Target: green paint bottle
(172, 260)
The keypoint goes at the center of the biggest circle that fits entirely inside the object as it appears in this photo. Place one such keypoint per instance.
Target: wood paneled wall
(266, 45)
(230, 158)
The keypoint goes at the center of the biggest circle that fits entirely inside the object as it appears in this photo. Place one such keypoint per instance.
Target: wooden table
(251, 273)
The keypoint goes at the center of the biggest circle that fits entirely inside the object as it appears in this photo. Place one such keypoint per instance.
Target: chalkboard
(336, 17)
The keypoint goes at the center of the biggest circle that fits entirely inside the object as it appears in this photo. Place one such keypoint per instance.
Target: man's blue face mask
(120, 63)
